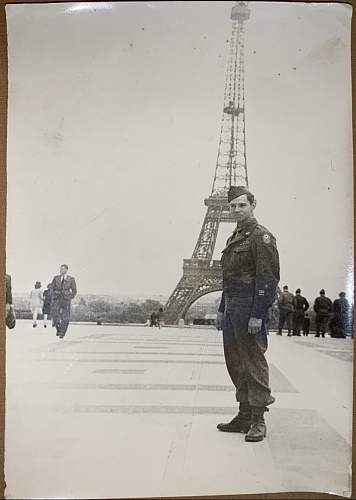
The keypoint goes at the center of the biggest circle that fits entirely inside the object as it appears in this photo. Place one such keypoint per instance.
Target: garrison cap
(297, 290)
(235, 191)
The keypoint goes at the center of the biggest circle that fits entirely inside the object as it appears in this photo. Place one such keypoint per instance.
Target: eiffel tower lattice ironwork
(202, 274)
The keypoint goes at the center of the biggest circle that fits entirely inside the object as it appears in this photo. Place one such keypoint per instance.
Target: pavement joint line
(149, 347)
(183, 410)
(149, 387)
(149, 353)
(218, 344)
(151, 361)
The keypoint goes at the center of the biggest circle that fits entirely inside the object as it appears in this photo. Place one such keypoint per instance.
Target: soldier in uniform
(323, 308)
(286, 308)
(301, 305)
(250, 265)
(63, 290)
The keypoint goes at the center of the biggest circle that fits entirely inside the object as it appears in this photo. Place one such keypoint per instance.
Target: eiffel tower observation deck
(202, 274)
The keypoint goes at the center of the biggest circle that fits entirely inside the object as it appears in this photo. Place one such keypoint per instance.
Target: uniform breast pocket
(239, 256)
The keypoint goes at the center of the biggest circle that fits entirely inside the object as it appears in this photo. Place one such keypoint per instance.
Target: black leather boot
(240, 423)
(258, 429)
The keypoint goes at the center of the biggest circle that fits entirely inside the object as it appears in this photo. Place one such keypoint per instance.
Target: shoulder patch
(266, 238)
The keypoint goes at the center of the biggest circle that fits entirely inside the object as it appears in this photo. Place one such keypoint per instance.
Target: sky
(113, 130)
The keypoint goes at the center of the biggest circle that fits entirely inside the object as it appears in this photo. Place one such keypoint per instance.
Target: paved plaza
(131, 411)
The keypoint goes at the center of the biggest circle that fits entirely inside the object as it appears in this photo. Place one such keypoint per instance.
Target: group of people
(54, 301)
(293, 312)
(156, 318)
(40, 303)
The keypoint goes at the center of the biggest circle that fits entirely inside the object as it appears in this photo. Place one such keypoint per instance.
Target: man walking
(323, 308)
(301, 305)
(63, 289)
(250, 265)
(286, 308)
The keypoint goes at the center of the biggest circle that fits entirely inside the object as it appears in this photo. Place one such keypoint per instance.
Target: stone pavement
(131, 411)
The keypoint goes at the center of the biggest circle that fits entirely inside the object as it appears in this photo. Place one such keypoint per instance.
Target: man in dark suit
(63, 289)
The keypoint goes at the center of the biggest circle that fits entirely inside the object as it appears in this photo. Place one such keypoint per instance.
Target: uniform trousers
(321, 323)
(298, 320)
(285, 317)
(245, 353)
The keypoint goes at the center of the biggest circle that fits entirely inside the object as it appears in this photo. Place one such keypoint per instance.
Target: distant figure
(160, 317)
(9, 307)
(47, 301)
(306, 325)
(286, 308)
(36, 297)
(341, 316)
(153, 319)
(64, 289)
(323, 308)
(301, 305)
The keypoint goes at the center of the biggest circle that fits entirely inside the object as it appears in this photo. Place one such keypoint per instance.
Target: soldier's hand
(219, 320)
(254, 326)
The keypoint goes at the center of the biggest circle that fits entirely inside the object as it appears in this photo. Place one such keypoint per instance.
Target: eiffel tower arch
(202, 274)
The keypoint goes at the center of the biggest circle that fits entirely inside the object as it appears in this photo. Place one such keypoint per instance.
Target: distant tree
(82, 313)
(150, 305)
(134, 313)
(99, 306)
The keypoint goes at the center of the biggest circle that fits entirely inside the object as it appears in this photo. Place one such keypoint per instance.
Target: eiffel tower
(202, 274)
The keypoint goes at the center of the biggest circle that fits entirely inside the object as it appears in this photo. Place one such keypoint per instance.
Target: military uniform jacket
(301, 303)
(286, 301)
(65, 290)
(250, 264)
(323, 305)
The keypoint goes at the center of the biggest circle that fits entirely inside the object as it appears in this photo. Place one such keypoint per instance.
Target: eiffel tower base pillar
(200, 277)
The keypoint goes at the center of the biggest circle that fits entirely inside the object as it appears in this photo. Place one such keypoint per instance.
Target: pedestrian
(160, 317)
(47, 300)
(153, 319)
(10, 317)
(323, 308)
(286, 308)
(250, 265)
(306, 324)
(301, 305)
(63, 289)
(36, 297)
(341, 316)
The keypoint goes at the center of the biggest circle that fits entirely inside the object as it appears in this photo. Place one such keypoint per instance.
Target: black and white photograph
(179, 249)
